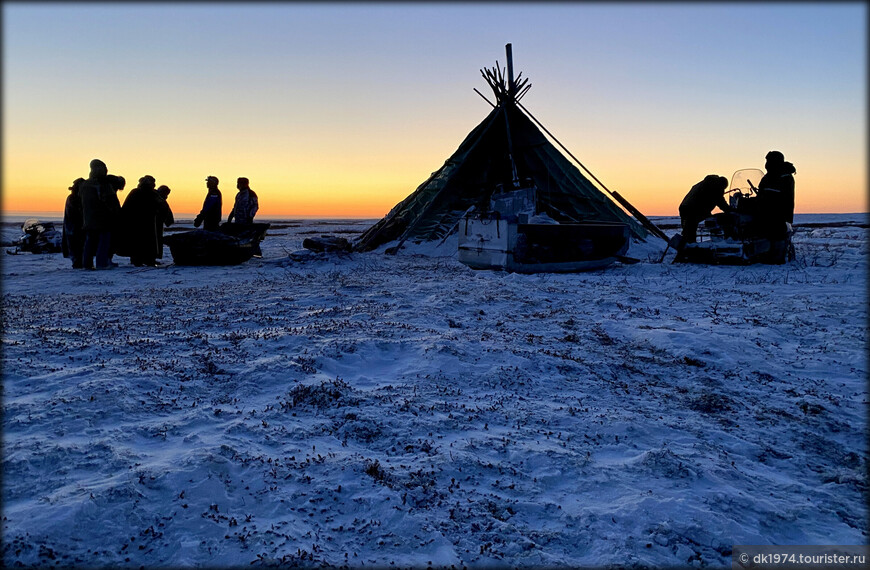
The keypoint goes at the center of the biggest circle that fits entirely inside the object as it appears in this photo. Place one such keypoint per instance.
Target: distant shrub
(374, 470)
(330, 393)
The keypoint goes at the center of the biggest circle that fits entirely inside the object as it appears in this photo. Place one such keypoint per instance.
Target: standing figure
(164, 216)
(73, 240)
(97, 212)
(776, 189)
(117, 184)
(699, 203)
(140, 222)
(210, 215)
(246, 205)
(245, 208)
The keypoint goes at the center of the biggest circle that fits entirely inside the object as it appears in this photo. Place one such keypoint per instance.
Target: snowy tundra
(366, 410)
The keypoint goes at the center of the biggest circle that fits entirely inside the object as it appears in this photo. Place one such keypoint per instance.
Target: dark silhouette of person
(117, 184)
(776, 189)
(773, 206)
(246, 204)
(73, 238)
(212, 207)
(245, 208)
(698, 204)
(164, 217)
(140, 212)
(97, 217)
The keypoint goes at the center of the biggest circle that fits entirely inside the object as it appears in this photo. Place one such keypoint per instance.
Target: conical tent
(504, 146)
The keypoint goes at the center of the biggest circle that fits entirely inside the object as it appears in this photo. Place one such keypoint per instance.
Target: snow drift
(368, 410)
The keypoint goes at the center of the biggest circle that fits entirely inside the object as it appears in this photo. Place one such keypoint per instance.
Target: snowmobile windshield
(744, 181)
(30, 225)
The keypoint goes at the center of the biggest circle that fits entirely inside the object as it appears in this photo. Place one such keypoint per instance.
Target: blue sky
(359, 102)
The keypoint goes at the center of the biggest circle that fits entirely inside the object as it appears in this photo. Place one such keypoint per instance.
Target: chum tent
(504, 148)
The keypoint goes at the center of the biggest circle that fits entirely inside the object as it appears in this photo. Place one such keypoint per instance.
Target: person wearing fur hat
(212, 207)
(699, 203)
(97, 214)
(73, 238)
(139, 213)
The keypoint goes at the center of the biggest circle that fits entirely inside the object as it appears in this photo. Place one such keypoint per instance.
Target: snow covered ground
(371, 410)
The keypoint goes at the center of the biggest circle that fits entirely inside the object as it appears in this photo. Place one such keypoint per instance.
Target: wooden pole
(523, 93)
(413, 225)
(644, 221)
(484, 98)
(510, 69)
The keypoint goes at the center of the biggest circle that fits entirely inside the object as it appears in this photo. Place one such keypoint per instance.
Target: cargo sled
(511, 236)
(327, 244)
(232, 245)
(738, 237)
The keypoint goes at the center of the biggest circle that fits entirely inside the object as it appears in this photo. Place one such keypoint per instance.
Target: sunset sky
(343, 109)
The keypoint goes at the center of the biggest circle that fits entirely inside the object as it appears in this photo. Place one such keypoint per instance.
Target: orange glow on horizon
(375, 201)
(323, 185)
(341, 205)
(343, 112)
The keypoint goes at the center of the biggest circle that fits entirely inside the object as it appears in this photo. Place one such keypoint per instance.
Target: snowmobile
(39, 237)
(738, 237)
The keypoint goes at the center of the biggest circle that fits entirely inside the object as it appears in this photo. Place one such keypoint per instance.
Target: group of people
(244, 208)
(770, 209)
(96, 227)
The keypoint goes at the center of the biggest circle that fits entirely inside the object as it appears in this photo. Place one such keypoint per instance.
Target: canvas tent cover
(469, 177)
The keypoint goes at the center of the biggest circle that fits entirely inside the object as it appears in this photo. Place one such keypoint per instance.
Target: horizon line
(183, 215)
